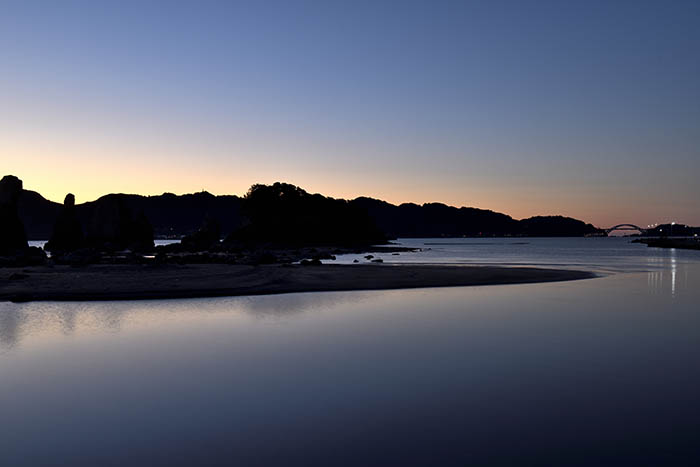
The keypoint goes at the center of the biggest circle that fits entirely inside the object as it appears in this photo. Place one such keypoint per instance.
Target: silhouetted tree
(284, 213)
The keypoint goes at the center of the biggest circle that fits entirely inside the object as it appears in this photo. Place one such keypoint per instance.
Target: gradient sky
(588, 109)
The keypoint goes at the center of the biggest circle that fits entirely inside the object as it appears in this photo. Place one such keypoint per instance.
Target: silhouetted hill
(173, 215)
(302, 216)
(169, 214)
(435, 220)
(554, 226)
(38, 214)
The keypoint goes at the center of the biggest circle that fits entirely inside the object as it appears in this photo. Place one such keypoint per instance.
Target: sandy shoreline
(134, 282)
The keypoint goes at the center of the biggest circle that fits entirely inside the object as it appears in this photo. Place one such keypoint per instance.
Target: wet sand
(135, 282)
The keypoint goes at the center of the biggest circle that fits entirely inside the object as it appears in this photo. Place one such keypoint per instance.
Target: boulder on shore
(13, 238)
(67, 232)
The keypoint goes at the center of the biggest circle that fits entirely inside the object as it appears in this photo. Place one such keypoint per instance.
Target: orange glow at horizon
(54, 184)
(90, 171)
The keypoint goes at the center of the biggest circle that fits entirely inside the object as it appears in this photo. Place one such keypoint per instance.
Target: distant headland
(174, 216)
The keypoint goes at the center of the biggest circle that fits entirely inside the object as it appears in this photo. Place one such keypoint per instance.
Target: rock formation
(13, 238)
(67, 233)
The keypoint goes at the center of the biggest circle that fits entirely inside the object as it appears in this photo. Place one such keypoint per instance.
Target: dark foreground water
(597, 372)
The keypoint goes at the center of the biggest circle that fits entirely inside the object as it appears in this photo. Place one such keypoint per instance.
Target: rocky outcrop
(114, 226)
(67, 232)
(14, 250)
(13, 238)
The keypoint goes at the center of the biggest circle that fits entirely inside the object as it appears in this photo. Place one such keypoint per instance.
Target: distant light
(673, 223)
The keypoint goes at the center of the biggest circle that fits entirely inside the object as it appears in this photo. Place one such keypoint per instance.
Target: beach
(137, 282)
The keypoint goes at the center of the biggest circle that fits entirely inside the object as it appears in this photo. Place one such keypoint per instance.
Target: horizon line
(311, 193)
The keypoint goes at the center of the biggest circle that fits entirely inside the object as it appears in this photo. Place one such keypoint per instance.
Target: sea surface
(597, 372)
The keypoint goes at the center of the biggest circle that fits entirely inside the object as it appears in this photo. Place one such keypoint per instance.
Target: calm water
(602, 255)
(595, 372)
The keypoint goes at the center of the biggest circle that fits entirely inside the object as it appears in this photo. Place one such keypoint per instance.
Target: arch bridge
(626, 227)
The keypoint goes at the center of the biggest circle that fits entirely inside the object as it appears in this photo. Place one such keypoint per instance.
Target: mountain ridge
(174, 216)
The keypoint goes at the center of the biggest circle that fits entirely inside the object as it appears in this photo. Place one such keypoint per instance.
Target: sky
(588, 109)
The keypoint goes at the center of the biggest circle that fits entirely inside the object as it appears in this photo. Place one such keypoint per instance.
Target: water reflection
(583, 372)
(668, 275)
(673, 272)
(666, 288)
(455, 376)
(48, 320)
(10, 324)
(559, 372)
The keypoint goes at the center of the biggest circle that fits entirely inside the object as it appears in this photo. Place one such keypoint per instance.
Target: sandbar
(138, 282)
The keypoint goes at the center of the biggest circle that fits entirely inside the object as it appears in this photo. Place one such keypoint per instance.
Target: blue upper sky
(589, 109)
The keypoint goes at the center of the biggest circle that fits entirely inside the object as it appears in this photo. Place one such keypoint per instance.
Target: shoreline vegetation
(165, 281)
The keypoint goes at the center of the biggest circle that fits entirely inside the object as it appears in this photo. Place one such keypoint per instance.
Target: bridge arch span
(625, 227)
